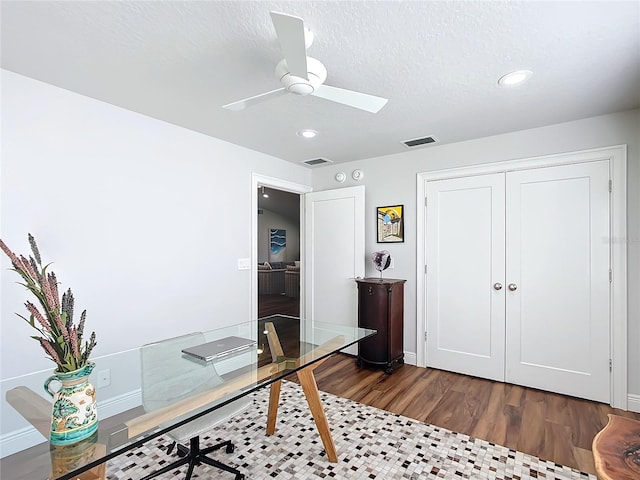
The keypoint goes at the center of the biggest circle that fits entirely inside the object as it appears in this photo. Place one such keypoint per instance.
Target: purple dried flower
(36, 269)
(74, 342)
(52, 304)
(33, 310)
(83, 317)
(89, 346)
(67, 306)
(53, 282)
(34, 249)
(12, 256)
(50, 350)
(25, 265)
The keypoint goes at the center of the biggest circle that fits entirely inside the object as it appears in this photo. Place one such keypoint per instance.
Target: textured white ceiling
(436, 61)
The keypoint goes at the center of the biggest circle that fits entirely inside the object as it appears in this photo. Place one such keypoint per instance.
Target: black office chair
(168, 376)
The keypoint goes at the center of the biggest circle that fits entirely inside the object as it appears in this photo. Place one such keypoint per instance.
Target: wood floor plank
(557, 409)
(584, 459)
(514, 425)
(494, 421)
(515, 395)
(586, 419)
(557, 444)
(532, 427)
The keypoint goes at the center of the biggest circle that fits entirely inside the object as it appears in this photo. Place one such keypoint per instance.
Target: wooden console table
(616, 449)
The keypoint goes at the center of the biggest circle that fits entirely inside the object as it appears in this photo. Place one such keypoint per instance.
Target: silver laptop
(219, 348)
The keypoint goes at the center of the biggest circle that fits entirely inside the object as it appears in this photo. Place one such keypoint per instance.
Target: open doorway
(279, 247)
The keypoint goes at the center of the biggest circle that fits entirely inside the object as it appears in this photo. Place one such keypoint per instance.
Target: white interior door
(335, 255)
(558, 261)
(465, 259)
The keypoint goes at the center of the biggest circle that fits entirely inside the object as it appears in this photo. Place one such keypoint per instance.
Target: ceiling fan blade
(359, 100)
(249, 102)
(290, 31)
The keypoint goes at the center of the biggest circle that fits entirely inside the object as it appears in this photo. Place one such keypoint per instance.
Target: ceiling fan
(303, 75)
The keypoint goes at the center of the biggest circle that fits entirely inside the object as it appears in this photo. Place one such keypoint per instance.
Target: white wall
(391, 180)
(144, 220)
(268, 220)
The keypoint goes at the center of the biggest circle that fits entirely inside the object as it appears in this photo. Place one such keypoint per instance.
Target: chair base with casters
(194, 456)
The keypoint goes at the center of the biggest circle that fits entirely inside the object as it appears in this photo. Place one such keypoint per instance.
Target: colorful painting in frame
(390, 222)
(277, 244)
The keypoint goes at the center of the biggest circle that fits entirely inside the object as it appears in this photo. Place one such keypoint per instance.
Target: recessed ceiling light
(514, 78)
(307, 133)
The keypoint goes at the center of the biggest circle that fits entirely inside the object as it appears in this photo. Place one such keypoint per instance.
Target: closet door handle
(513, 287)
(497, 286)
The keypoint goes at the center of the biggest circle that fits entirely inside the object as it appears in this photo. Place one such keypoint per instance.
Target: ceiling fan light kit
(303, 75)
(316, 75)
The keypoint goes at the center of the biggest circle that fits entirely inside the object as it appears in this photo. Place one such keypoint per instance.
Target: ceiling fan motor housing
(316, 73)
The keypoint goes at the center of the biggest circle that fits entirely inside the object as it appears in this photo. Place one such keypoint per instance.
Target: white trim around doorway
(258, 180)
(617, 155)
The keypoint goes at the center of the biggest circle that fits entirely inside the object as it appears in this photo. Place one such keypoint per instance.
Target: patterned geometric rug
(371, 444)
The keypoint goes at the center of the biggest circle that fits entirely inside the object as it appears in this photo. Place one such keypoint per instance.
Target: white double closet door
(517, 278)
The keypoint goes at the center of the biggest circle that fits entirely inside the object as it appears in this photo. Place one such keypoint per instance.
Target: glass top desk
(284, 345)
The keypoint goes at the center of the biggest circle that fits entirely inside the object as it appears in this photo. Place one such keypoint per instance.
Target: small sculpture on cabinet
(381, 260)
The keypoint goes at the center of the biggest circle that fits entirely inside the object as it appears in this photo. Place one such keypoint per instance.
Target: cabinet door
(558, 261)
(396, 321)
(465, 255)
(373, 309)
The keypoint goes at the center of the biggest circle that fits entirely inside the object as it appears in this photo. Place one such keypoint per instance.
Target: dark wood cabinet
(381, 307)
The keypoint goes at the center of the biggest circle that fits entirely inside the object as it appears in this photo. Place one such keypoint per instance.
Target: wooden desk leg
(274, 391)
(310, 389)
(274, 399)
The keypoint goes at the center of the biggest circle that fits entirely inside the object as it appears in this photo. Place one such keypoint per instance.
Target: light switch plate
(244, 264)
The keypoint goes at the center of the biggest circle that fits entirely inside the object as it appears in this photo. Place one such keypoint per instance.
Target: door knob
(497, 286)
(513, 287)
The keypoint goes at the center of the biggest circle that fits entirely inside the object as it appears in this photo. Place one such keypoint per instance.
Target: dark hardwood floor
(278, 304)
(550, 426)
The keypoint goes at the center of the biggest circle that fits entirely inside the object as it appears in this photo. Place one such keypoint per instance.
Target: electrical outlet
(104, 378)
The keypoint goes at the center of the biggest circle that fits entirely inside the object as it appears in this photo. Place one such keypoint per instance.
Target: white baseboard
(28, 437)
(121, 403)
(633, 403)
(19, 440)
(410, 358)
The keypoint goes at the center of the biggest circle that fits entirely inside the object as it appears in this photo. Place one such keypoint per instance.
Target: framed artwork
(390, 224)
(277, 244)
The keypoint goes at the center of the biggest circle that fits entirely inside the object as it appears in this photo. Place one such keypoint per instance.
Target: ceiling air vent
(419, 141)
(316, 161)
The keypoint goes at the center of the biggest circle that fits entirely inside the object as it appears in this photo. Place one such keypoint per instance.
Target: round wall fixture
(340, 177)
(357, 174)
